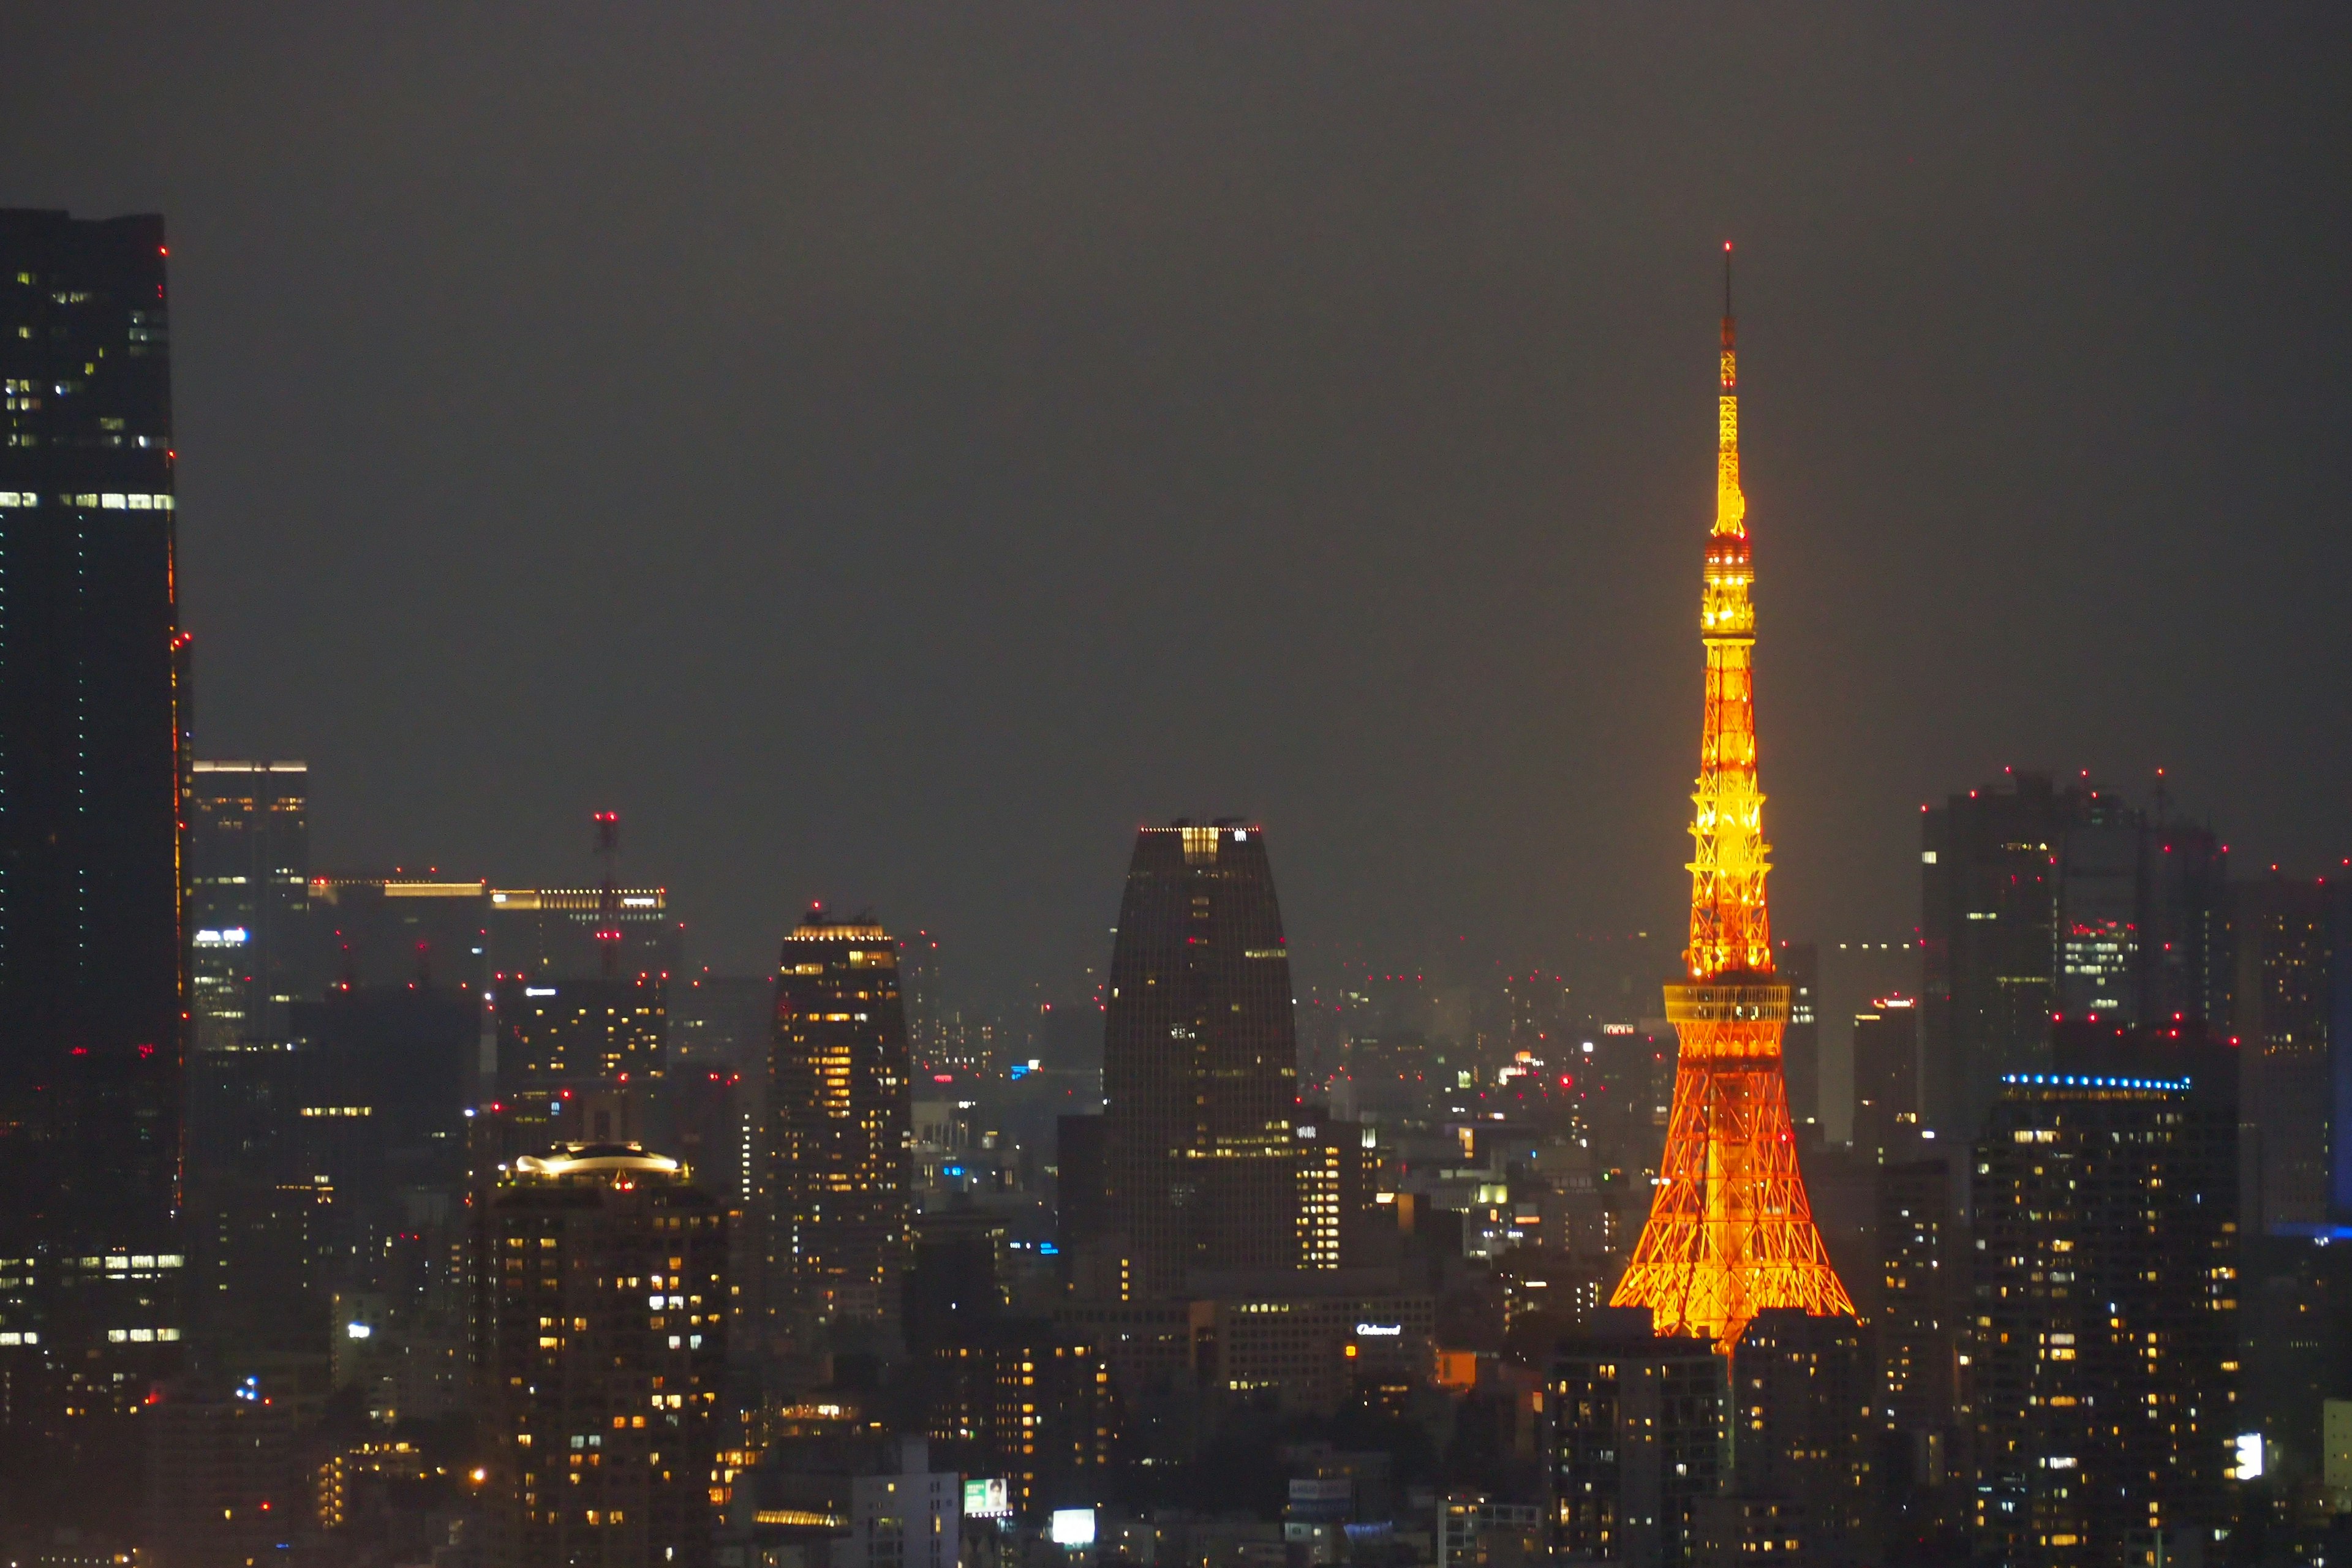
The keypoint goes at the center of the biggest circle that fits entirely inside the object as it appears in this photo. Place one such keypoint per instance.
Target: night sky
(889, 454)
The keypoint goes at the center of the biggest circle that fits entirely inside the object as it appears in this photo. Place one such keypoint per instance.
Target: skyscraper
(2293, 1019)
(2039, 902)
(2103, 1344)
(604, 1340)
(1801, 1043)
(1199, 1064)
(92, 731)
(1730, 1230)
(248, 891)
(838, 1179)
(1886, 1076)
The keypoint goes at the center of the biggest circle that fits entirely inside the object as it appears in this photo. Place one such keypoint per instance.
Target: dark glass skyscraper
(2294, 1018)
(1199, 1064)
(92, 742)
(2040, 902)
(842, 1130)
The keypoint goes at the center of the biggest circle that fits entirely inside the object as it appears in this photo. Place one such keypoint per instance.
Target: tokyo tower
(1730, 1229)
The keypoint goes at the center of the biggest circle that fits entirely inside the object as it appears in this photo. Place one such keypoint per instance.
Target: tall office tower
(2103, 1347)
(603, 1326)
(1917, 1322)
(841, 1136)
(2039, 902)
(1640, 1436)
(1801, 1044)
(1800, 1413)
(1200, 1065)
(92, 748)
(1339, 1175)
(248, 890)
(2294, 1007)
(1730, 1231)
(1886, 1076)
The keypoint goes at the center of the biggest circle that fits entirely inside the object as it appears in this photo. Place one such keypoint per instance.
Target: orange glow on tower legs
(1730, 1231)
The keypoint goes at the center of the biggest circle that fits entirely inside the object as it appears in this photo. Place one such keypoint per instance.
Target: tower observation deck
(1730, 1229)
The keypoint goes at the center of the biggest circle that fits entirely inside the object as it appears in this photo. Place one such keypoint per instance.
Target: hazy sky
(888, 454)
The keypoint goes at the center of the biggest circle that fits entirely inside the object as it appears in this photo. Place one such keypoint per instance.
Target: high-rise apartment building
(1640, 1436)
(839, 1182)
(2293, 1021)
(2040, 902)
(2102, 1341)
(603, 1338)
(1801, 1427)
(92, 754)
(1200, 1065)
(1920, 1297)
(248, 891)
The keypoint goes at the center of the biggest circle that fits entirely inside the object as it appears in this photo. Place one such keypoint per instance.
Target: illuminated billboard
(986, 1499)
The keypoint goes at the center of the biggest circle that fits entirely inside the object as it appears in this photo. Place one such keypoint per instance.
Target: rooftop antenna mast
(608, 897)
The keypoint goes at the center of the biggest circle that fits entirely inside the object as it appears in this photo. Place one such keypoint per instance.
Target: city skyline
(1472, 608)
(885, 458)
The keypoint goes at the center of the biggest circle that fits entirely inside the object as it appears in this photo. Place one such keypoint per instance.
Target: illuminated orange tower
(1730, 1230)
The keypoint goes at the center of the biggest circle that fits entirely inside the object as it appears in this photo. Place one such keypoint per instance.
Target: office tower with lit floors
(1200, 1067)
(604, 1342)
(837, 1190)
(92, 758)
(249, 858)
(2102, 1342)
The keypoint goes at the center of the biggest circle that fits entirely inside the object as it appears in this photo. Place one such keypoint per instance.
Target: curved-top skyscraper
(1730, 1230)
(1199, 1064)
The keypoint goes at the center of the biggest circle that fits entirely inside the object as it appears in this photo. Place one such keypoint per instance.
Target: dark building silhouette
(1200, 1066)
(2103, 1353)
(2040, 902)
(92, 752)
(1886, 1076)
(956, 1284)
(1799, 967)
(604, 1324)
(1921, 1292)
(837, 1191)
(248, 876)
(2293, 1016)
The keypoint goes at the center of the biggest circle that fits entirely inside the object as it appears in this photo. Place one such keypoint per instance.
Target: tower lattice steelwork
(1730, 1230)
